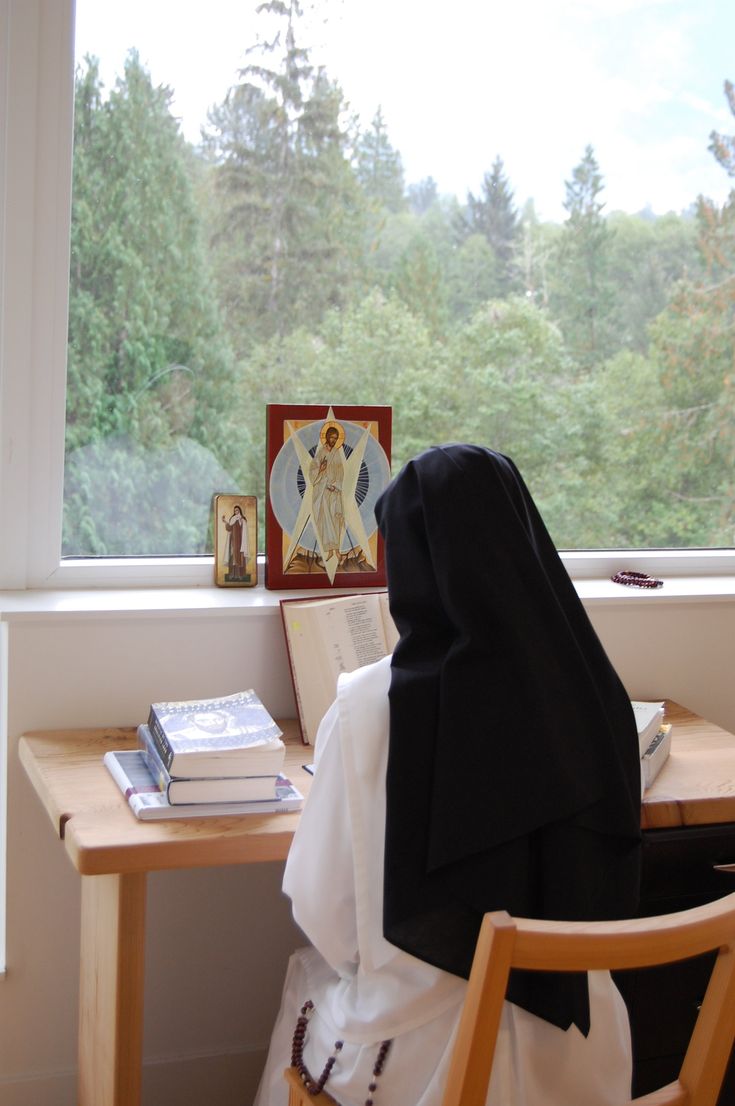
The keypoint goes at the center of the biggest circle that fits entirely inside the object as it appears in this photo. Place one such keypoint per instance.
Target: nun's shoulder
(369, 683)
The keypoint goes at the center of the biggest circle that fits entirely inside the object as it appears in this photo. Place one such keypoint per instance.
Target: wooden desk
(113, 851)
(696, 786)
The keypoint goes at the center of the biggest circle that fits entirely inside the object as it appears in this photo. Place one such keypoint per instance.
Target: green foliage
(723, 145)
(511, 389)
(290, 225)
(538, 249)
(147, 360)
(694, 342)
(582, 292)
(419, 283)
(374, 353)
(379, 168)
(646, 260)
(598, 354)
(472, 277)
(422, 196)
(492, 214)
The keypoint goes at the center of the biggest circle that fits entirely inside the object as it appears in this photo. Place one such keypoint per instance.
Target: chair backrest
(506, 943)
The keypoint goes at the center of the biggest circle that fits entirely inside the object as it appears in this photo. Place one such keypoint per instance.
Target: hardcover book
(325, 637)
(216, 789)
(656, 755)
(648, 718)
(130, 772)
(229, 736)
(326, 467)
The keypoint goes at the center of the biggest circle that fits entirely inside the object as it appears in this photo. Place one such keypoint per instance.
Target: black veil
(513, 772)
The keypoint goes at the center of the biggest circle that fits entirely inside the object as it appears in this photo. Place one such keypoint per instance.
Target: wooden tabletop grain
(101, 835)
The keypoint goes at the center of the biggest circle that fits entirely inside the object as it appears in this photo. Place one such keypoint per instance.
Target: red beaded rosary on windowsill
(636, 579)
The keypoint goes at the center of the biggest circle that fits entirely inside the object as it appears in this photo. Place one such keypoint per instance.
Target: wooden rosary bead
(316, 1086)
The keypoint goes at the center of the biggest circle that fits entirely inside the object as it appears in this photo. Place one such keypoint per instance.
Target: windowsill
(601, 591)
(258, 601)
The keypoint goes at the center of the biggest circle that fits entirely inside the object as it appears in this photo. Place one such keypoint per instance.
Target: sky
(461, 83)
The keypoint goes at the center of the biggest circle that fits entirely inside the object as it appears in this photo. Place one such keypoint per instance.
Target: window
(574, 334)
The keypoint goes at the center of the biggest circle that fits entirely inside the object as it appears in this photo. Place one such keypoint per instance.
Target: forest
(285, 258)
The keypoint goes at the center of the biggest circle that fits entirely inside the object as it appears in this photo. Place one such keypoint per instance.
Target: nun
(490, 763)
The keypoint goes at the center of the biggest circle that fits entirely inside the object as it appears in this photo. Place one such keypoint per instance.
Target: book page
(325, 638)
(353, 632)
(390, 631)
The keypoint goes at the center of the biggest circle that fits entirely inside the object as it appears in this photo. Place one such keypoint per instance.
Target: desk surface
(102, 836)
(696, 786)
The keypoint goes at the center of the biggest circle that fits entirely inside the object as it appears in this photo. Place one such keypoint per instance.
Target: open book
(326, 637)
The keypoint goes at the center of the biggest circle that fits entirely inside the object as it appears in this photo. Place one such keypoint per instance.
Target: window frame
(36, 131)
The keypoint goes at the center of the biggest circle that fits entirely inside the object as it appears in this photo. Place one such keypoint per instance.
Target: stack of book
(211, 756)
(654, 739)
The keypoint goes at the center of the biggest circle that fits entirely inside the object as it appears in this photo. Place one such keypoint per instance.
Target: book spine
(118, 775)
(126, 785)
(152, 758)
(292, 669)
(162, 743)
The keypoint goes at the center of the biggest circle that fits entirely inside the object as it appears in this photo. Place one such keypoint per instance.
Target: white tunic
(365, 990)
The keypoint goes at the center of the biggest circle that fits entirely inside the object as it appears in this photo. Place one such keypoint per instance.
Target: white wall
(218, 939)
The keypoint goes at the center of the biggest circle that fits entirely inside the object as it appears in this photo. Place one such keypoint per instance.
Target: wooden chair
(298, 1094)
(506, 943)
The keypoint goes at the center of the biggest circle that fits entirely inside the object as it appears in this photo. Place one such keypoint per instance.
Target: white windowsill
(258, 601)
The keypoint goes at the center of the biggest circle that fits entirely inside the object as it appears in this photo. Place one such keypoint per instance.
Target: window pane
(514, 228)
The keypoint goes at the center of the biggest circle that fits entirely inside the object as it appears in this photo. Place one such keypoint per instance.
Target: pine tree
(379, 167)
(290, 219)
(423, 195)
(723, 145)
(583, 293)
(694, 344)
(147, 363)
(493, 215)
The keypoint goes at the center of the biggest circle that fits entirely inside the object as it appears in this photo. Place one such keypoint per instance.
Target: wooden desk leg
(111, 989)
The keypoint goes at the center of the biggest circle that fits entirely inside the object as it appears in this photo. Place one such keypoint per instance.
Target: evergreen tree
(493, 215)
(693, 345)
(379, 167)
(695, 350)
(423, 195)
(290, 224)
(723, 145)
(583, 293)
(147, 363)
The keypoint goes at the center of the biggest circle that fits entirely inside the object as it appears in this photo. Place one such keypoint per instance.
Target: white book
(648, 718)
(232, 735)
(206, 789)
(130, 772)
(326, 637)
(656, 755)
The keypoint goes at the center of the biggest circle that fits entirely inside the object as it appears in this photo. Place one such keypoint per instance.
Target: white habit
(365, 990)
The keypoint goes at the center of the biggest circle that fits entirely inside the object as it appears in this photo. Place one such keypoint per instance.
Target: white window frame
(36, 132)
